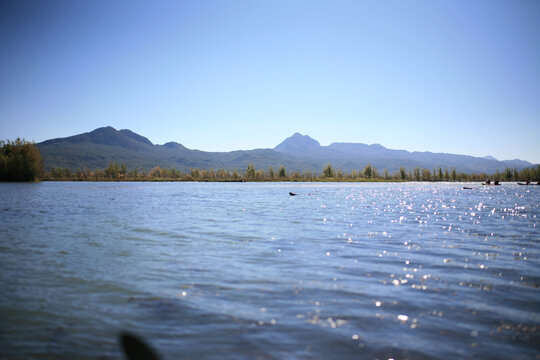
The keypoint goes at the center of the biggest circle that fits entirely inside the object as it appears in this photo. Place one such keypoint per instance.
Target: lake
(245, 271)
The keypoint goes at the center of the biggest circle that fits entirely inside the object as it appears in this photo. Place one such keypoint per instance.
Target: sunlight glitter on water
(390, 270)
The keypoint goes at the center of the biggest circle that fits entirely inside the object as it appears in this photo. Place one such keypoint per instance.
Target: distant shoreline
(272, 181)
(236, 181)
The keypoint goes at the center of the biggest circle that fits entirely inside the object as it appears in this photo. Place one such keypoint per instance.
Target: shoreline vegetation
(21, 160)
(119, 172)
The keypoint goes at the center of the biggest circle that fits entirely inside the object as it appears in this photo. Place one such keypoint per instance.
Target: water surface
(245, 271)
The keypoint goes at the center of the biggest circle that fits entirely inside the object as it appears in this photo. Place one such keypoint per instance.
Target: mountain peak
(174, 145)
(105, 131)
(298, 142)
(106, 136)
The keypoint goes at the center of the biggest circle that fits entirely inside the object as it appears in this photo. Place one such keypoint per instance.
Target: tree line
(119, 172)
(20, 160)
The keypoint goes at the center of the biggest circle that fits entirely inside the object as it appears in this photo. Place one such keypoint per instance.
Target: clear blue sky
(443, 76)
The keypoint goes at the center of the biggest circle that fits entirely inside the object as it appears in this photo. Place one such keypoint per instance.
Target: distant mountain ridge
(106, 136)
(343, 154)
(97, 148)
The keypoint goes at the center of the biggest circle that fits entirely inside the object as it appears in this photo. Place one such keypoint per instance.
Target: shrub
(20, 160)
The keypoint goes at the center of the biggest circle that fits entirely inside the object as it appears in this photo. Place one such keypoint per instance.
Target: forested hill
(383, 158)
(96, 149)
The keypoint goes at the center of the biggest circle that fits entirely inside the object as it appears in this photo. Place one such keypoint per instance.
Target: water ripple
(242, 271)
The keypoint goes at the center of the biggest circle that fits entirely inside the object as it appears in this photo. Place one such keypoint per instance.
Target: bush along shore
(20, 160)
(119, 172)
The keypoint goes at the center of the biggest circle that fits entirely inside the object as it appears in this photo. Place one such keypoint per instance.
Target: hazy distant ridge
(97, 148)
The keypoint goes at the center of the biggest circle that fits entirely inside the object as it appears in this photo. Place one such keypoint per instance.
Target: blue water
(245, 271)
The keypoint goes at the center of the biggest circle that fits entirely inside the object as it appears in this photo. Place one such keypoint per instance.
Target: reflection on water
(246, 271)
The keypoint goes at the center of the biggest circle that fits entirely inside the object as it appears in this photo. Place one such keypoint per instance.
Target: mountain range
(97, 148)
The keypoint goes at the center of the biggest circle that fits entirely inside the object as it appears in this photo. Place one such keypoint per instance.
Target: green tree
(417, 174)
(328, 171)
(403, 173)
(55, 172)
(250, 172)
(368, 171)
(20, 160)
(67, 172)
(112, 170)
(282, 172)
(508, 174)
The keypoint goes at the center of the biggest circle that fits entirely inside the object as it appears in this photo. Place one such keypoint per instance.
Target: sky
(458, 76)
